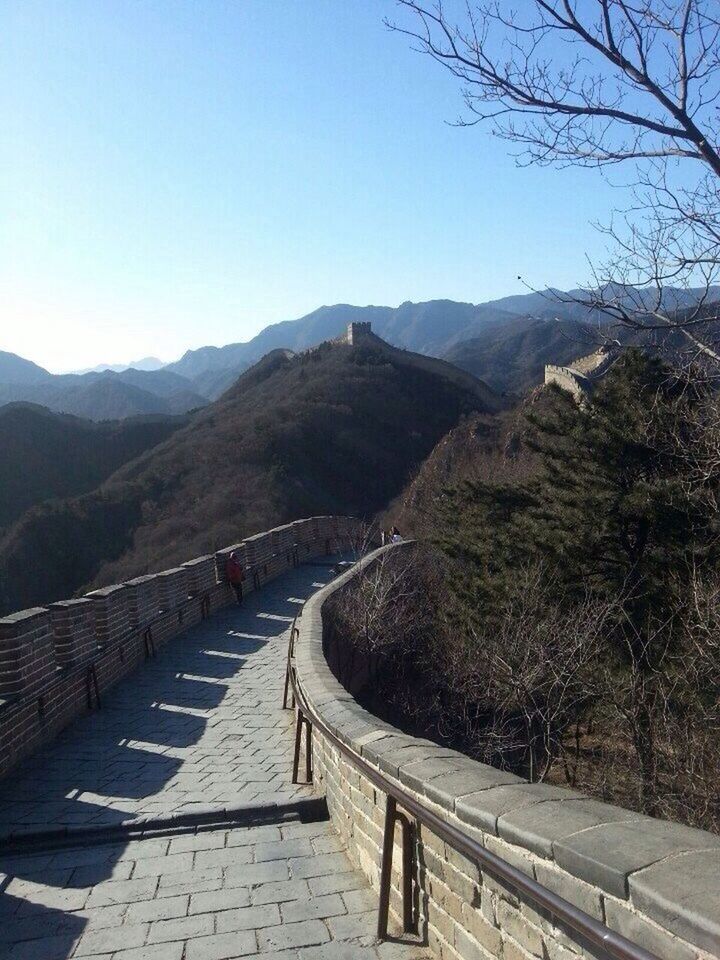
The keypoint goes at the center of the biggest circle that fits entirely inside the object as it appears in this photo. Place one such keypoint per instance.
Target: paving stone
(339, 951)
(283, 849)
(112, 938)
(354, 925)
(219, 900)
(252, 874)
(337, 883)
(280, 892)
(58, 947)
(164, 909)
(154, 951)
(206, 840)
(181, 928)
(227, 857)
(321, 865)
(304, 934)
(221, 946)
(331, 905)
(248, 918)
(122, 891)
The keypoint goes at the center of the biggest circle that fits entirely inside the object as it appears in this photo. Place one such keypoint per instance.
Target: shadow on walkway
(200, 722)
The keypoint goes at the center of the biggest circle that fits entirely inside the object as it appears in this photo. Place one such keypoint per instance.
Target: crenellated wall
(657, 883)
(56, 661)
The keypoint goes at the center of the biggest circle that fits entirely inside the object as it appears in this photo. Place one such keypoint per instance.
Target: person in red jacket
(234, 574)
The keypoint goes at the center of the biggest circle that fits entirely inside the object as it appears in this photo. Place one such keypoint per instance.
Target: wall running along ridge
(655, 882)
(56, 660)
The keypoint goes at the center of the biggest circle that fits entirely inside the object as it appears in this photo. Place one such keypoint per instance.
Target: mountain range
(505, 342)
(337, 429)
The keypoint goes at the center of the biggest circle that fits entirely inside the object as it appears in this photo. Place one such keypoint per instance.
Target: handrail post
(290, 654)
(391, 818)
(302, 721)
(386, 866)
(408, 872)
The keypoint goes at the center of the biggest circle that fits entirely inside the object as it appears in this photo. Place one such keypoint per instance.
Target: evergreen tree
(613, 509)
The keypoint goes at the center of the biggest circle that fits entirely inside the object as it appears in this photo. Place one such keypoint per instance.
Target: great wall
(153, 806)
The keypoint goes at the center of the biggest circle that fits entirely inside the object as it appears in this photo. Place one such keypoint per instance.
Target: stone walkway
(199, 726)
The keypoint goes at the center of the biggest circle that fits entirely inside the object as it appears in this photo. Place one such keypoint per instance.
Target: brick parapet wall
(655, 882)
(54, 662)
(27, 656)
(73, 630)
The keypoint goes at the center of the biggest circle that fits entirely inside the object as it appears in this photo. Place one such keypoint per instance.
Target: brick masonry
(54, 662)
(655, 882)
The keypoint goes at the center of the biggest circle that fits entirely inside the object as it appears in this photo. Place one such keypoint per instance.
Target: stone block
(201, 575)
(172, 588)
(637, 929)
(27, 652)
(143, 600)
(416, 773)
(583, 895)
(112, 614)
(471, 777)
(682, 894)
(73, 625)
(538, 827)
(483, 809)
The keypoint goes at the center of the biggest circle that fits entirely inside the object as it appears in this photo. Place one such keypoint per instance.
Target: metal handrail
(615, 944)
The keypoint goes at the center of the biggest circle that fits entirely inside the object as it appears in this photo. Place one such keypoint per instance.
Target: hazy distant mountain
(339, 429)
(104, 396)
(14, 369)
(422, 327)
(437, 328)
(46, 454)
(147, 363)
(506, 342)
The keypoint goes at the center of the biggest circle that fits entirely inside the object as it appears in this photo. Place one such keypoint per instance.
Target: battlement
(358, 331)
(56, 662)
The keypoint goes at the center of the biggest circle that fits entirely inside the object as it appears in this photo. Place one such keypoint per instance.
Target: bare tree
(596, 84)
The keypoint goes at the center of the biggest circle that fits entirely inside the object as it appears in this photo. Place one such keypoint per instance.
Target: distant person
(395, 535)
(234, 574)
(383, 538)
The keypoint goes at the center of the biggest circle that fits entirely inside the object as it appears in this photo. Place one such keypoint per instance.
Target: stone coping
(667, 871)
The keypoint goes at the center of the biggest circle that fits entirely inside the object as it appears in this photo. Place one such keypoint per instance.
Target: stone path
(201, 725)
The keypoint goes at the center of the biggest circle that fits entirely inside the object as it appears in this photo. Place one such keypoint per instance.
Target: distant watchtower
(357, 331)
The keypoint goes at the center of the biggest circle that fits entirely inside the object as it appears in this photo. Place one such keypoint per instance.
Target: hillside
(511, 357)
(46, 455)
(338, 429)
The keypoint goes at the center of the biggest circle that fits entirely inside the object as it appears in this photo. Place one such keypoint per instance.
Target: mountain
(14, 369)
(438, 328)
(147, 363)
(46, 455)
(337, 429)
(423, 327)
(511, 357)
(108, 395)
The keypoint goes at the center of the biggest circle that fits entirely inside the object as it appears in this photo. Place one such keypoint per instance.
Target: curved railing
(354, 753)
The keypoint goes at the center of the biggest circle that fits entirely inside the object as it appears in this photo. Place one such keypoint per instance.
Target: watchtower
(356, 331)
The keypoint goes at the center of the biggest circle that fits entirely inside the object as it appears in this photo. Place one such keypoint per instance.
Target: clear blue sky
(183, 172)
